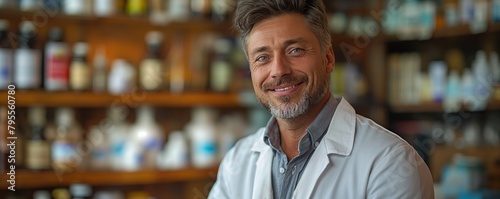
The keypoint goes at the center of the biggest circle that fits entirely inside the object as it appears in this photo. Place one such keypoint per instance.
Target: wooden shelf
(433, 107)
(27, 98)
(118, 19)
(46, 179)
(461, 30)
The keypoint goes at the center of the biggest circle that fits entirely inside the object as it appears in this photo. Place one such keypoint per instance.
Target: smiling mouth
(285, 89)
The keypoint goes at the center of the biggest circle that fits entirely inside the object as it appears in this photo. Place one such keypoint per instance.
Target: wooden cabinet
(122, 37)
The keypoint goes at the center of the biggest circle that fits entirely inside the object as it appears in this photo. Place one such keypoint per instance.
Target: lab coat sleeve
(401, 173)
(220, 189)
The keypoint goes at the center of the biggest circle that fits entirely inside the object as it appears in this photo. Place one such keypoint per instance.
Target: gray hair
(250, 12)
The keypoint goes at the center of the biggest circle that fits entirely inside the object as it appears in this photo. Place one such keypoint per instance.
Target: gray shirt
(286, 175)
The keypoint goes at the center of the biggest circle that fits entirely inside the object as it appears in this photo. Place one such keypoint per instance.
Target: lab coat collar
(339, 138)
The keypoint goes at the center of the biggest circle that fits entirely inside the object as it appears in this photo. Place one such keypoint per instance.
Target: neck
(292, 130)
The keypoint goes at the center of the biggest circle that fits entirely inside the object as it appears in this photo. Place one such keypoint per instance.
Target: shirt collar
(314, 132)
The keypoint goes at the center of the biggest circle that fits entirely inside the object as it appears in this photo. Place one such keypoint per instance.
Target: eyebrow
(286, 43)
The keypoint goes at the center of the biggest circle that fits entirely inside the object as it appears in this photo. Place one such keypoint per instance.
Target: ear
(329, 59)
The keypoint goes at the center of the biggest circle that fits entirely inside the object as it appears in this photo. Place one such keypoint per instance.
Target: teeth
(284, 89)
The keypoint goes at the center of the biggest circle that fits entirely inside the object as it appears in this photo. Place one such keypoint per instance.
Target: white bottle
(121, 77)
(65, 155)
(76, 7)
(453, 97)
(437, 70)
(483, 80)
(468, 96)
(147, 135)
(100, 155)
(178, 10)
(27, 59)
(202, 133)
(99, 72)
(118, 132)
(175, 154)
(104, 8)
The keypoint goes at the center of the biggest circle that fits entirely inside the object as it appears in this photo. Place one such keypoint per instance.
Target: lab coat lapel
(339, 139)
(262, 187)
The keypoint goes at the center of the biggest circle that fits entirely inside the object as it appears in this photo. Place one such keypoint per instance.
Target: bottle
(79, 69)
(28, 5)
(118, 132)
(437, 71)
(77, 7)
(495, 13)
(136, 7)
(176, 64)
(483, 81)
(151, 70)
(221, 69)
(104, 8)
(37, 147)
(468, 97)
(65, 157)
(147, 135)
(27, 59)
(178, 10)
(158, 12)
(80, 191)
(201, 8)
(99, 72)
(41, 194)
(221, 9)
(57, 55)
(175, 153)
(6, 56)
(202, 134)
(61, 193)
(453, 93)
(100, 155)
(121, 77)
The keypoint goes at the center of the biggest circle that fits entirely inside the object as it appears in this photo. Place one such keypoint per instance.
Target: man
(314, 146)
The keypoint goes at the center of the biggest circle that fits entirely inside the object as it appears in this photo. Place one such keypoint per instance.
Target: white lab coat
(355, 159)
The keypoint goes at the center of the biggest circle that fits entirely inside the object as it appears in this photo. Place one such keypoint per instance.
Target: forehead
(277, 30)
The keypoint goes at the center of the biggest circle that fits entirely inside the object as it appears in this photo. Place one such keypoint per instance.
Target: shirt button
(316, 144)
(282, 170)
(293, 169)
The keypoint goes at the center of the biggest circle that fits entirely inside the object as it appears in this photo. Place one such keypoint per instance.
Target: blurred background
(141, 99)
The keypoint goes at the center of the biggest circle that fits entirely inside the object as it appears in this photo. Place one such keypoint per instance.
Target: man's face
(289, 71)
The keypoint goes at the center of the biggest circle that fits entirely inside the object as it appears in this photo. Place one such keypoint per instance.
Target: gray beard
(289, 110)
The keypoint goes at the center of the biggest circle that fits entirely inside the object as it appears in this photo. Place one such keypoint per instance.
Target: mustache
(283, 80)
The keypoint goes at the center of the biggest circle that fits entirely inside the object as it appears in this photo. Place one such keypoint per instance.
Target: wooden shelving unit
(46, 179)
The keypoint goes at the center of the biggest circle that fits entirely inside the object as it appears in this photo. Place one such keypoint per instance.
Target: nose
(280, 67)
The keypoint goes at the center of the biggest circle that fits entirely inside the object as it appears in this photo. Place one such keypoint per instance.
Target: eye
(261, 58)
(296, 51)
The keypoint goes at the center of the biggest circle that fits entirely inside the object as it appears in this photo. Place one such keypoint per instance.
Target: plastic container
(202, 133)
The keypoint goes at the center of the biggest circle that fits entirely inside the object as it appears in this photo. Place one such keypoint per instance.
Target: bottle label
(57, 68)
(38, 155)
(5, 67)
(27, 68)
(63, 152)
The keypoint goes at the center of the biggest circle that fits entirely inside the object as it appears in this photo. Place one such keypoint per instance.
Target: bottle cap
(80, 190)
(64, 116)
(154, 38)
(37, 116)
(56, 34)
(80, 49)
(26, 27)
(41, 195)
